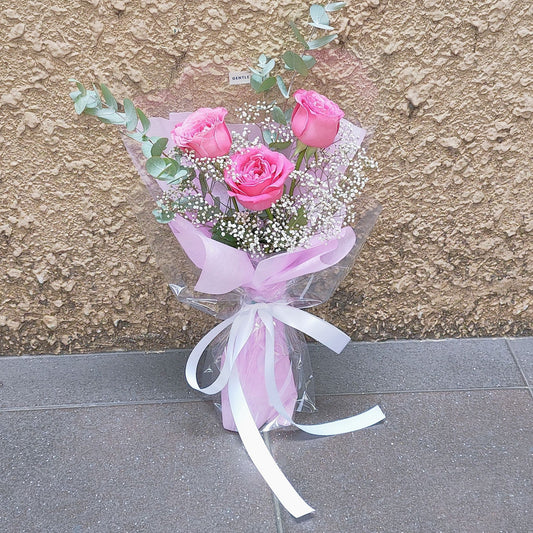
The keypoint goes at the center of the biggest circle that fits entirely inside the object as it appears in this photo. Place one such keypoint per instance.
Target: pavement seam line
(517, 362)
(277, 508)
(199, 400)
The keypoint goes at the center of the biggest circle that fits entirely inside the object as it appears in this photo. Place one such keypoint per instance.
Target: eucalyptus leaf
(298, 35)
(136, 136)
(319, 15)
(266, 85)
(282, 88)
(309, 61)
(267, 136)
(158, 146)
(93, 100)
(278, 115)
(334, 6)
(321, 41)
(108, 97)
(321, 26)
(146, 148)
(80, 103)
(295, 62)
(162, 216)
(255, 82)
(131, 115)
(161, 167)
(268, 67)
(288, 114)
(145, 123)
(155, 166)
(81, 88)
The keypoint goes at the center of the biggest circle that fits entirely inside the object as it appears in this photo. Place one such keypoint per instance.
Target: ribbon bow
(242, 324)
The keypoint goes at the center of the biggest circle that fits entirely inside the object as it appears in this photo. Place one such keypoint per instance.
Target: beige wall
(452, 114)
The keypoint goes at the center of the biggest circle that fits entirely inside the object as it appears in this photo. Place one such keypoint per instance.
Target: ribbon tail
(259, 453)
(337, 427)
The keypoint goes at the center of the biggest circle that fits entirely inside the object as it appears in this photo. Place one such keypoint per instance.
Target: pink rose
(315, 119)
(256, 177)
(204, 132)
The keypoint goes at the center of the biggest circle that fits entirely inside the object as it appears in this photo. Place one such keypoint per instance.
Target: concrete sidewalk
(119, 443)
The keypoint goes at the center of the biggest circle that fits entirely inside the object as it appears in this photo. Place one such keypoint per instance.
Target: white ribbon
(242, 324)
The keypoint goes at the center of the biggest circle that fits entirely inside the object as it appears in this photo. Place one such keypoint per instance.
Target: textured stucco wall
(447, 85)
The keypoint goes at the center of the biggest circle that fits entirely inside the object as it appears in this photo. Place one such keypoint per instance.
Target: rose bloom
(204, 132)
(255, 177)
(315, 119)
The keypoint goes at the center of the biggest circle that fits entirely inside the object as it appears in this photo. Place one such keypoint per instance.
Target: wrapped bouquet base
(256, 359)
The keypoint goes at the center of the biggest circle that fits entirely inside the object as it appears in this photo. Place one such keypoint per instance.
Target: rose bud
(315, 119)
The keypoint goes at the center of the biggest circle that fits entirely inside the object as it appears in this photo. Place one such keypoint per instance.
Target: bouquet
(268, 216)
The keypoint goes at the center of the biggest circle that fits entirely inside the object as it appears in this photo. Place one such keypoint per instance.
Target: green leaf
(282, 88)
(216, 235)
(203, 183)
(278, 115)
(288, 114)
(131, 115)
(321, 41)
(137, 136)
(266, 85)
(108, 97)
(319, 15)
(162, 167)
(298, 35)
(107, 115)
(268, 67)
(321, 26)
(176, 178)
(267, 136)
(255, 82)
(299, 220)
(159, 145)
(155, 166)
(75, 94)
(262, 60)
(309, 61)
(93, 100)
(335, 6)
(162, 216)
(144, 120)
(295, 62)
(277, 146)
(146, 148)
(81, 103)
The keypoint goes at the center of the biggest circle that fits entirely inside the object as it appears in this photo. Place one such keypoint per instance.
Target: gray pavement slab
(449, 364)
(442, 461)
(119, 442)
(109, 378)
(145, 468)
